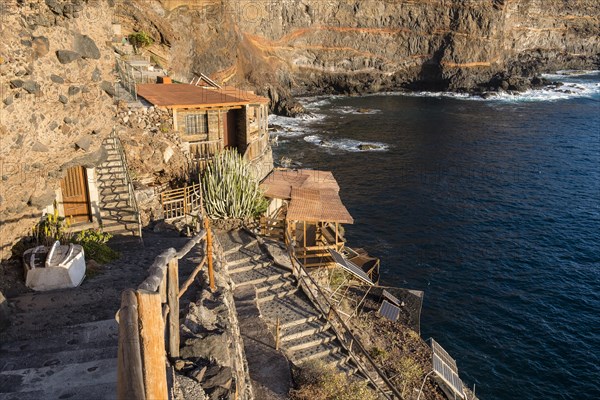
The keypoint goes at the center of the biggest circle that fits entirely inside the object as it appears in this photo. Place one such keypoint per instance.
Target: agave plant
(230, 189)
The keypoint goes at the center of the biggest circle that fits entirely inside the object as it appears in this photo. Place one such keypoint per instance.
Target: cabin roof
(192, 96)
(313, 195)
(279, 183)
(317, 205)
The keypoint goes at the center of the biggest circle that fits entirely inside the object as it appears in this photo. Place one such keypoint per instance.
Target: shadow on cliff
(431, 76)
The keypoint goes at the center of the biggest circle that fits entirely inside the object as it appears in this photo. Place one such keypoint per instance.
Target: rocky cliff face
(55, 71)
(303, 46)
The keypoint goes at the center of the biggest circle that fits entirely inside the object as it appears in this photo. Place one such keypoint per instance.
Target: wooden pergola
(314, 214)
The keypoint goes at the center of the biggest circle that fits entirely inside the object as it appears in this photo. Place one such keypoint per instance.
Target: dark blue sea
(492, 207)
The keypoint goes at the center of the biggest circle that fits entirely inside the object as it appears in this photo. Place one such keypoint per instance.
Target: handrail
(329, 310)
(132, 202)
(127, 78)
(145, 315)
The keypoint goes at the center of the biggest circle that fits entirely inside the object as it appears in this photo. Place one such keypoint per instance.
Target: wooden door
(229, 130)
(75, 195)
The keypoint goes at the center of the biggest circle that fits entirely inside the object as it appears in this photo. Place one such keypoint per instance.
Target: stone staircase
(42, 358)
(117, 207)
(305, 333)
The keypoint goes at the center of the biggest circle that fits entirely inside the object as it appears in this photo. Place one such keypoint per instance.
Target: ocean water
(492, 207)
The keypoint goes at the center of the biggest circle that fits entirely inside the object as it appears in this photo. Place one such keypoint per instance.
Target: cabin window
(196, 124)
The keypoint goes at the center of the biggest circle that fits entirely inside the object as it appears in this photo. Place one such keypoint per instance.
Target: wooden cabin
(209, 117)
(305, 210)
(305, 205)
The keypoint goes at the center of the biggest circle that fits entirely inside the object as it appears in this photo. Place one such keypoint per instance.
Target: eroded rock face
(44, 126)
(280, 47)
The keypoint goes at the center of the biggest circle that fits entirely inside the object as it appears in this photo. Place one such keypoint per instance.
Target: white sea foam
(290, 127)
(356, 111)
(344, 144)
(572, 87)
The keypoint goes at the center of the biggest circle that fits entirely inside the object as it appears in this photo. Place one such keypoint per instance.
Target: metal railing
(132, 201)
(349, 341)
(126, 77)
(177, 203)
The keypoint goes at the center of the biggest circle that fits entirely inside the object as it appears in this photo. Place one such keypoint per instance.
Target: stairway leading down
(51, 352)
(118, 215)
(305, 333)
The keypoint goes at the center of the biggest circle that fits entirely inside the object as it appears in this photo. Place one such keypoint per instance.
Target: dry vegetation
(317, 381)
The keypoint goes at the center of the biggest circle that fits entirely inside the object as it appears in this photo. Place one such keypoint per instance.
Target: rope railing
(349, 341)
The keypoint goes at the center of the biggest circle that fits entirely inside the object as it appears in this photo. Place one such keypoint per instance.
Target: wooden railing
(205, 150)
(177, 203)
(315, 256)
(150, 314)
(361, 357)
(273, 228)
(256, 148)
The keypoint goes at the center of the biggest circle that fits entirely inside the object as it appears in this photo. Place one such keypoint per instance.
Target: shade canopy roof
(313, 195)
(192, 96)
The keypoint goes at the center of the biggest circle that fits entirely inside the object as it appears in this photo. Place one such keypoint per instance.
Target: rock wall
(55, 75)
(301, 46)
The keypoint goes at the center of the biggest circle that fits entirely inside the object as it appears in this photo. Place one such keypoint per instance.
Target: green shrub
(51, 228)
(230, 190)
(94, 245)
(317, 381)
(140, 40)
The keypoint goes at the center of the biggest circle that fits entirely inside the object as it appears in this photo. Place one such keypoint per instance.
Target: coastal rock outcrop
(296, 47)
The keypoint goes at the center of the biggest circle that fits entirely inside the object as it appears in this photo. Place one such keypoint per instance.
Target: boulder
(9, 100)
(213, 347)
(41, 46)
(109, 88)
(73, 90)
(16, 83)
(55, 6)
(63, 99)
(39, 147)
(67, 56)
(368, 146)
(86, 47)
(57, 79)
(32, 87)
(84, 143)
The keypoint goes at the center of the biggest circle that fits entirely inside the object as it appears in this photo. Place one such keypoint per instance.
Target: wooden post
(173, 299)
(277, 334)
(209, 254)
(152, 340)
(162, 288)
(130, 379)
(304, 249)
(336, 236)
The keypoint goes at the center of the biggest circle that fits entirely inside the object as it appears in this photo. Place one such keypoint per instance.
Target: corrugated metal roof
(192, 96)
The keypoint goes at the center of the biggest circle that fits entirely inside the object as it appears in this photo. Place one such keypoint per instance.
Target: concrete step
(77, 380)
(255, 280)
(278, 293)
(319, 352)
(240, 247)
(311, 341)
(247, 264)
(289, 309)
(91, 334)
(300, 321)
(303, 329)
(23, 359)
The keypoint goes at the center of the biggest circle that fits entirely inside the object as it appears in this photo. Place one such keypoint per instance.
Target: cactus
(230, 189)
